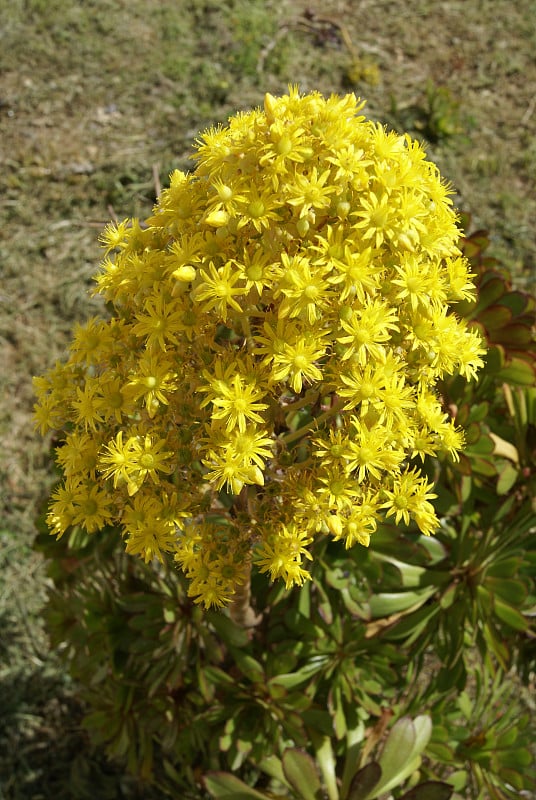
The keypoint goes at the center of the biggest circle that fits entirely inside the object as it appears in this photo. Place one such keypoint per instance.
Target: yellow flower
(160, 322)
(235, 402)
(148, 460)
(337, 489)
(90, 341)
(282, 555)
(114, 235)
(86, 407)
(371, 452)
(113, 401)
(257, 269)
(356, 274)
(367, 330)
(79, 454)
(414, 281)
(377, 218)
(91, 507)
(363, 386)
(305, 290)
(153, 381)
(148, 533)
(410, 498)
(229, 469)
(249, 447)
(117, 460)
(218, 289)
(450, 439)
(309, 192)
(258, 210)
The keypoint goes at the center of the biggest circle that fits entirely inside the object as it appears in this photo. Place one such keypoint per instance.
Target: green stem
(288, 438)
(310, 397)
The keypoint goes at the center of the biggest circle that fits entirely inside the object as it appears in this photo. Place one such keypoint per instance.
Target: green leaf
(483, 446)
(465, 705)
(231, 633)
(472, 434)
(504, 568)
(497, 646)
(503, 448)
(318, 720)
(516, 336)
(301, 625)
(218, 676)
(225, 786)
(494, 317)
(435, 549)
(441, 751)
(485, 598)
(383, 605)
(458, 780)
(325, 758)
(507, 739)
(517, 758)
(429, 790)
(518, 372)
(507, 478)
(206, 687)
(248, 666)
(304, 601)
(510, 616)
(356, 609)
(448, 597)
(292, 680)
(493, 360)
(484, 466)
(364, 781)
(491, 288)
(510, 590)
(412, 625)
(401, 753)
(410, 574)
(516, 302)
(272, 766)
(513, 777)
(300, 771)
(478, 413)
(336, 708)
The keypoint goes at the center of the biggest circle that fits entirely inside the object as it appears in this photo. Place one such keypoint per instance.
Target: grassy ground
(98, 102)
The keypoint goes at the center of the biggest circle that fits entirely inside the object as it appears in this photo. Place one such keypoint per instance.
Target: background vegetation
(98, 102)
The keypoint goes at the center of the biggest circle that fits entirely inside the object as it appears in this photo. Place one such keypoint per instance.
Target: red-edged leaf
(429, 790)
(494, 317)
(514, 334)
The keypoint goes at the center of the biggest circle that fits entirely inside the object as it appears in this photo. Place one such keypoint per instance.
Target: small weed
(362, 70)
(436, 116)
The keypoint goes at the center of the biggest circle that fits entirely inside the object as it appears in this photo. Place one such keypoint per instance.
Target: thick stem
(240, 608)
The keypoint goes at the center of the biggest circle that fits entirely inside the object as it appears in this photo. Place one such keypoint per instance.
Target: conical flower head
(268, 372)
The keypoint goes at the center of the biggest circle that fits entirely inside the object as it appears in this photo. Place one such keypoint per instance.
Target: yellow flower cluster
(269, 370)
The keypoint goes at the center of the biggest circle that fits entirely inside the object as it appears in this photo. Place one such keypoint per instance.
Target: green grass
(98, 102)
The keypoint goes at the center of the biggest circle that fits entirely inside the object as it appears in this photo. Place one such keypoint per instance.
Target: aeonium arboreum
(268, 372)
